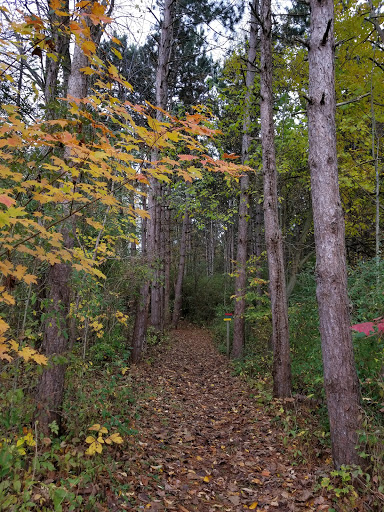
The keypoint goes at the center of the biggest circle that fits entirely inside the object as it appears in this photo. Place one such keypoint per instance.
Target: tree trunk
(50, 389)
(53, 64)
(242, 239)
(180, 273)
(153, 246)
(340, 379)
(167, 264)
(141, 319)
(154, 253)
(273, 238)
(297, 261)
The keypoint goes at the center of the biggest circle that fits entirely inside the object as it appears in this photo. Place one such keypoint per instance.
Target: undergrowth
(303, 418)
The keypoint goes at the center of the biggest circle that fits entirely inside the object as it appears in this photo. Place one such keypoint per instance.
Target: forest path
(205, 444)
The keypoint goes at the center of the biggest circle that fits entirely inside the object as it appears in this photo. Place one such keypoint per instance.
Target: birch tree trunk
(242, 240)
(273, 237)
(340, 378)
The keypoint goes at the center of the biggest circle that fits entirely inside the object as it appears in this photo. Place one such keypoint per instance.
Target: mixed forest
(149, 191)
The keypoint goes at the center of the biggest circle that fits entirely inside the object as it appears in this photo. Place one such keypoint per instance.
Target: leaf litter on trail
(205, 444)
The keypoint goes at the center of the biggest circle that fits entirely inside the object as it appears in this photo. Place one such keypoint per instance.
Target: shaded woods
(146, 187)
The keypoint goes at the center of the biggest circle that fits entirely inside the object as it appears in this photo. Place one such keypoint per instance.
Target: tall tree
(340, 378)
(242, 240)
(273, 237)
(154, 194)
(181, 268)
(50, 389)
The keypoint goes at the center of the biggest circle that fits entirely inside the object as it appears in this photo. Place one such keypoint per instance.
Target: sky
(137, 17)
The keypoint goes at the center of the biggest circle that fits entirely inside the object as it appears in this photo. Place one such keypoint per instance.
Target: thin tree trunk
(154, 253)
(180, 273)
(280, 333)
(297, 261)
(167, 265)
(242, 238)
(140, 326)
(53, 64)
(340, 379)
(153, 247)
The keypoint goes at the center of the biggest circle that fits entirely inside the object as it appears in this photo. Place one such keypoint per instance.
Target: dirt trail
(205, 444)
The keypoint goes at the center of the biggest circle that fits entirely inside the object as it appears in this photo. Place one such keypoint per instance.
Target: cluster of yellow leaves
(96, 443)
(123, 319)
(21, 443)
(31, 186)
(26, 353)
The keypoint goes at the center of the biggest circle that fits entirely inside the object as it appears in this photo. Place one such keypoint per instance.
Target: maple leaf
(187, 157)
(3, 325)
(14, 345)
(4, 352)
(8, 201)
(29, 279)
(7, 298)
(27, 353)
(40, 359)
(19, 271)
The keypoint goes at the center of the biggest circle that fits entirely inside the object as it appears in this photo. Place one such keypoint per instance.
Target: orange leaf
(8, 201)
(186, 157)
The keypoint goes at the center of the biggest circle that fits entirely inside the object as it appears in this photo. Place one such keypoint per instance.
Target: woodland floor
(205, 443)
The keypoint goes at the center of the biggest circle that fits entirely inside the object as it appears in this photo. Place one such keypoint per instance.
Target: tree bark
(50, 389)
(153, 241)
(340, 379)
(180, 272)
(167, 264)
(61, 42)
(273, 237)
(242, 239)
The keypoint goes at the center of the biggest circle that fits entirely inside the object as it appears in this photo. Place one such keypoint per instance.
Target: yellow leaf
(29, 439)
(26, 353)
(95, 427)
(30, 278)
(6, 267)
(7, 298)
(103, 430)
(3, 326)
(94, 224)
(207, 478)
(19, 271)
(4, 352)
(253, 506)
(94, 447)
(14, 345)
(114, 438)
(90, 440)
(88, 47)
(40, 359)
